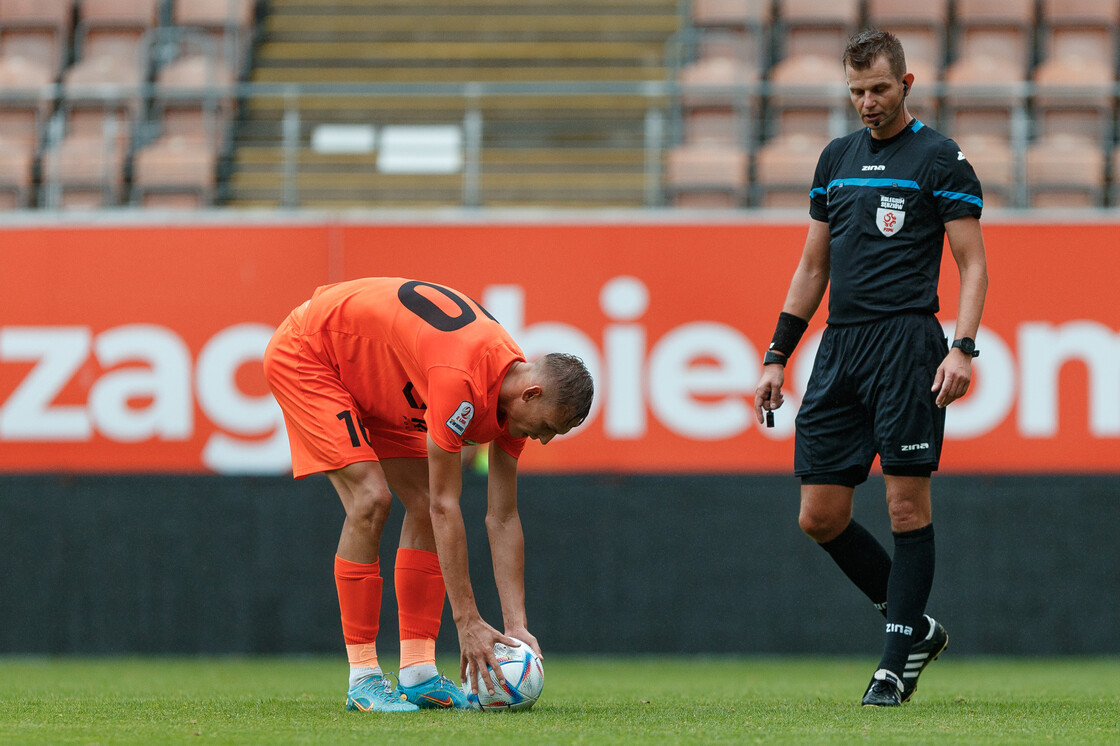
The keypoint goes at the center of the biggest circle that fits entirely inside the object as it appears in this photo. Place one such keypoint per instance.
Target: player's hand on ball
(476, 653)
(523, 673)
(520, 633)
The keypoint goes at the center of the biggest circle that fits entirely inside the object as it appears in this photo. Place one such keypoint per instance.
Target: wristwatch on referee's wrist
(967, 345)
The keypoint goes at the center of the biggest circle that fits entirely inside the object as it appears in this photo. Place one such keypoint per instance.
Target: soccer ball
(524, 674)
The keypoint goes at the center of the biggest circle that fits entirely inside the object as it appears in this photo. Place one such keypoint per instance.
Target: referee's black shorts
(869, 394)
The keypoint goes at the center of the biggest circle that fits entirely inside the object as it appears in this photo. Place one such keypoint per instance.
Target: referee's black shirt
(886, 203)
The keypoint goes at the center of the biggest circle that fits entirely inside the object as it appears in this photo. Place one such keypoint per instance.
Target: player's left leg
(833, 453)
(909, 432)
(366, 498)
(826, 516)
(420, 591)
(911, 578)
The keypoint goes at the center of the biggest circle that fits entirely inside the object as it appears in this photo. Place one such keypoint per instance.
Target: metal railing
(599, 142)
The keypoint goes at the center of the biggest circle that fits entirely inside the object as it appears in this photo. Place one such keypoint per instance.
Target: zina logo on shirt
(462, 417)
(890, 215)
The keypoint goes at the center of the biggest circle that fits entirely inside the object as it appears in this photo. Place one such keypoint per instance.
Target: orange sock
(359, 600)
(420, 595)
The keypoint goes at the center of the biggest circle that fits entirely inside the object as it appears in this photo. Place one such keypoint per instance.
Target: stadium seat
(218, 14)
(37, 30)
(39, 47)
(174, 171)
(810, 27)
(17, 159)
(715, 105)
(104, 87)
(888, 14)
(783, 170)
(993, 160)
(707, 175)
(924, 46)
(996, 28)
(1065, 171)
(113, 28)
(983, 95)
(1079, 28)
(228, 22)
(736, 14)
(82, 171)
(744, 47)
(921, 26)
(37, 13)
(808, 96)
(1073, 95)
(733, 28)
(102, 93)
(193, 98)
(25, 86)
(127, 14)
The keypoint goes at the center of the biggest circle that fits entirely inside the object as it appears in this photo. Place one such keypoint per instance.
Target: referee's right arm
(806, 290)
(810, 279)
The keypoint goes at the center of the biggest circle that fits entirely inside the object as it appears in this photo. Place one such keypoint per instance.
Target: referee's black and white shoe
(885, 690)
(922, 653)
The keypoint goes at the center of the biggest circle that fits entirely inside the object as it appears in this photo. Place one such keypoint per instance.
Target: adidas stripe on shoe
(922, 653)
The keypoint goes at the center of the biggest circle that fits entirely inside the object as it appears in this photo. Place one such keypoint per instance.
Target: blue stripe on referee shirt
(865, 183)
(972, 198)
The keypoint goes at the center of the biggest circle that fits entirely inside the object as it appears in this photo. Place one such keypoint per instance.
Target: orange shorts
(325, 424)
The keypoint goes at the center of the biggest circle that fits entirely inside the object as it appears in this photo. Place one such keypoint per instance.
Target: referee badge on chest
(891, 215)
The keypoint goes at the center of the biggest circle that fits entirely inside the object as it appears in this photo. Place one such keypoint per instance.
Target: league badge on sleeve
(458, 422)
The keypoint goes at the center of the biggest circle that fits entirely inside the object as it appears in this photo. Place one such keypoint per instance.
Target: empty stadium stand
(530, 103)
(784, 167)
(562, 150)
(1079, 28)
(1023, 85)
(996, 165)
(709, 175)
(1061, 172)
(86, 86)
(38, 31)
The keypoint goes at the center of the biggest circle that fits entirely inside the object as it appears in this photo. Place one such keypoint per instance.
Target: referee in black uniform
(882, 202)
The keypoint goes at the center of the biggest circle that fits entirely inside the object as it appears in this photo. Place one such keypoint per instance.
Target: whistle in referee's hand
(769, 418)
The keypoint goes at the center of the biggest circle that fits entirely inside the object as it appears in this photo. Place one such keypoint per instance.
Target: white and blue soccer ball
(524, 674)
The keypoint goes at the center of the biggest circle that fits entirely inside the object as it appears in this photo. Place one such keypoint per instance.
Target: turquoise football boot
(437, 692)
(375, 694)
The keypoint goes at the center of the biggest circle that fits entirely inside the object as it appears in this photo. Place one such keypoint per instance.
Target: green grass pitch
(700, 700)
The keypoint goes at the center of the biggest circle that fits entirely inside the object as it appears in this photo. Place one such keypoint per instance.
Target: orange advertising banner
(135, 347)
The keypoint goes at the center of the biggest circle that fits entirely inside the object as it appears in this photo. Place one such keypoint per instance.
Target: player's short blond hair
(572, 387)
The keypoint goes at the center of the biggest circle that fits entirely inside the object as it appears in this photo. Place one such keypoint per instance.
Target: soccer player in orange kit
(382, 381)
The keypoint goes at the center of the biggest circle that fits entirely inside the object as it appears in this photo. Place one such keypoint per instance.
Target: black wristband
(788, 333)
(772, 357)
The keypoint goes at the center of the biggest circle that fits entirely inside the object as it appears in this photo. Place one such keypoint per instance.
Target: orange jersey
(408, 358)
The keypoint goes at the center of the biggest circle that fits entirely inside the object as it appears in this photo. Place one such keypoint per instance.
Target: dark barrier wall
(96, 564)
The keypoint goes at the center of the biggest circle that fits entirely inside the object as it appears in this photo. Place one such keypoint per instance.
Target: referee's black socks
(863, 560)
(911, 578)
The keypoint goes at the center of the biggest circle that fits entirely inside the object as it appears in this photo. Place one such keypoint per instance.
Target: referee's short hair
(865, 47)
